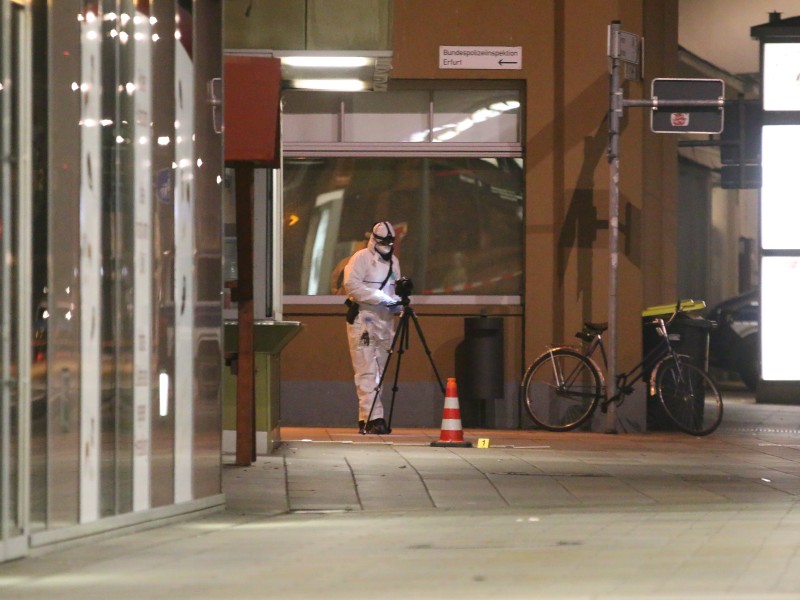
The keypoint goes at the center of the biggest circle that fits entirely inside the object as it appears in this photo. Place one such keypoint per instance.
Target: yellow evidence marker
(483, 442)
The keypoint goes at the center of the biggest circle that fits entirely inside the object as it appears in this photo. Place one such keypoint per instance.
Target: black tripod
(401, 341)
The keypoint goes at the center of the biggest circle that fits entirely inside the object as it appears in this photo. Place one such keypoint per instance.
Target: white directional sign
(624, 46)
(480, 57)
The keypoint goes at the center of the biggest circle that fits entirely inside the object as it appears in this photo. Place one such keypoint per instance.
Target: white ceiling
(719, 30)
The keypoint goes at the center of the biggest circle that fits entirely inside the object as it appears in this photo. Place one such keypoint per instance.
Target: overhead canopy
(252, 96)
(777, 28)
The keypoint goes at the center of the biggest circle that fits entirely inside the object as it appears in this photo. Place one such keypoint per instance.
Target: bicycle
(564, 386)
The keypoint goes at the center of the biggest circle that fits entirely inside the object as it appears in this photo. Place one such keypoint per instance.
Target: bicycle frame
(623, 380)
(565, 385)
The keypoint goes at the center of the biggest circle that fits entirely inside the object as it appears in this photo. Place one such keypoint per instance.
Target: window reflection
(488, 116)
(459, 221)
(10, 367)
(462, 116)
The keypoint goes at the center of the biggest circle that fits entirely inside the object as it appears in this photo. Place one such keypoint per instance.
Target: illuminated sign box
(780, 188)
(781, 85)
(780, 288)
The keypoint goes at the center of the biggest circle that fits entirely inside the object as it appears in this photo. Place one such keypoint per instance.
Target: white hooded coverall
(370, 335)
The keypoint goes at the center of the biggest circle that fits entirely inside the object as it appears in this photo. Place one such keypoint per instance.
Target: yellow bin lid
(668, 309)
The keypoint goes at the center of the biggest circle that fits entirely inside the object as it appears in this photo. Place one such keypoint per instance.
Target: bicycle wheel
(689, 397)
(561, 389)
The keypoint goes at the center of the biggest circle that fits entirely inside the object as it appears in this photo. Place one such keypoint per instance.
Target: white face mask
(381, 234)
(384, 250)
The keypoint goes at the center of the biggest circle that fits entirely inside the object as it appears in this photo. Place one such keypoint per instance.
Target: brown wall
(566, 76)
(320, 352)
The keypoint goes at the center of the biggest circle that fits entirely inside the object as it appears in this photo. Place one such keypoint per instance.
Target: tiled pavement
(536, 515)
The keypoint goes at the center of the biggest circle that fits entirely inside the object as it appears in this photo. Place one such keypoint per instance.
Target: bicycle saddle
(596, 327)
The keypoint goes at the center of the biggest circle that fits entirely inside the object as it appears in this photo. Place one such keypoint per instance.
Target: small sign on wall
(480, 57)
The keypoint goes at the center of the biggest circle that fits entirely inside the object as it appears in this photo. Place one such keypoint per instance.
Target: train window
(458, 220)
(444, 165)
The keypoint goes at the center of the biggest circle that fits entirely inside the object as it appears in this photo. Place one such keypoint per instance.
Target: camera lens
(403, 287)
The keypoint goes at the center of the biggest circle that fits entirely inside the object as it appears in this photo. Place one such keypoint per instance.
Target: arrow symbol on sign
(508, 62)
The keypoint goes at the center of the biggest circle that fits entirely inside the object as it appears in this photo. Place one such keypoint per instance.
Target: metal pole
(655, 102)
(245, 377)
(8, 315)
(742, 141)
(614, 116)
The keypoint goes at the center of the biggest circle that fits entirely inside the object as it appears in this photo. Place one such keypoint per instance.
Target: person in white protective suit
(369, 279)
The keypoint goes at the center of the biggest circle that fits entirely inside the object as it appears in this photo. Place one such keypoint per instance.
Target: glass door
(13, 308)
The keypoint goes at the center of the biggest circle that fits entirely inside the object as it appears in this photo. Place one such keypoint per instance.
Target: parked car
(734, 343)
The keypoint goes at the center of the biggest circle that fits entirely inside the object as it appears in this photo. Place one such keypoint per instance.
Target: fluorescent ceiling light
(338, 85)
(333, 62)
(329, 70)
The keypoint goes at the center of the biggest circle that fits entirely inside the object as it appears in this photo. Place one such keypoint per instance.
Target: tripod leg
(425, 346)
(402, 336)
(397, 337)
(403, 345)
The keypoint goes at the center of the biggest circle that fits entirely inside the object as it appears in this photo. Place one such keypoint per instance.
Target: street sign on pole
(678, 106)
(623, 45)
(687, 105)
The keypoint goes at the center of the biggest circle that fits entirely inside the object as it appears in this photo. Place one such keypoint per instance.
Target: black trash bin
(688, 334)
(479, 370)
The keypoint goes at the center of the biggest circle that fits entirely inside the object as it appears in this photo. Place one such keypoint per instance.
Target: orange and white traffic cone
(452, 434)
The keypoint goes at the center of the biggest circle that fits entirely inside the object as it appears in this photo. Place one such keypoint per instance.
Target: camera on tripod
(403, 288)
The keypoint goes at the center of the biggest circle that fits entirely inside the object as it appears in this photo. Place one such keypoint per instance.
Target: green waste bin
(689, 335)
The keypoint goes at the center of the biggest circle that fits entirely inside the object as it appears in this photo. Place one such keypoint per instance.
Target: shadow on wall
(581, 225)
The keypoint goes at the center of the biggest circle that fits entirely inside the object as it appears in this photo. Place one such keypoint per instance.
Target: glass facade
(458, 220)
(476, 116)
(11, 408)
(444, 166)
(112, 164)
